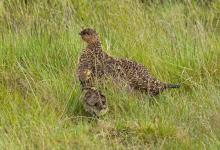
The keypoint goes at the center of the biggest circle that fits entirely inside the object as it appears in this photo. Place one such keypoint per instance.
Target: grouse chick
(95, 102)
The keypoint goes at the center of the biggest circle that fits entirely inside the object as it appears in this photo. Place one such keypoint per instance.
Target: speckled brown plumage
(95, 63)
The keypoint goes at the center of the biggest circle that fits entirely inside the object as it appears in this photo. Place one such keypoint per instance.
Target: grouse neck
(95, 46)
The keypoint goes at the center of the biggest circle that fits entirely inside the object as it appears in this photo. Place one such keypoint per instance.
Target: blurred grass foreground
(41, 99)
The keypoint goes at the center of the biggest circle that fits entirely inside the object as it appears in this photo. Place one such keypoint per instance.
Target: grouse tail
(173, 85)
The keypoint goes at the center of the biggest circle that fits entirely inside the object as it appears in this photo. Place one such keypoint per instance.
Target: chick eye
(96, 105)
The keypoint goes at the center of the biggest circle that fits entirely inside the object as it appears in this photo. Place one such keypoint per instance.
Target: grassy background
(41, 108)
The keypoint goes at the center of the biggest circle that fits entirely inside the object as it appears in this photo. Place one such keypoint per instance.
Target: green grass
(41, 99)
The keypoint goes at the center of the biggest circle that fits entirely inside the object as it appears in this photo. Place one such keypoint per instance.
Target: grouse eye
(83, 33)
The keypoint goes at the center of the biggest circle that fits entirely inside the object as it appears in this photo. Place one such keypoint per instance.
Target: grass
(41, 105)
